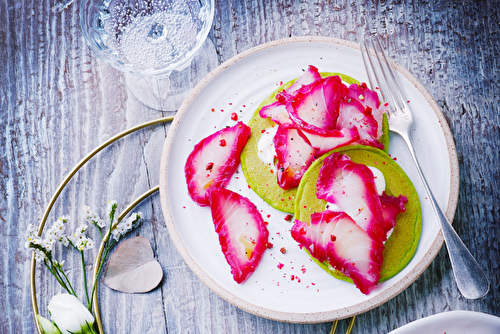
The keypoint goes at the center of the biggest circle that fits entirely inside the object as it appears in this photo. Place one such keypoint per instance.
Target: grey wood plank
(58, 101)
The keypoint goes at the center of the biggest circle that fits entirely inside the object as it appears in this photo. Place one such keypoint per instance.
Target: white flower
(116, 234)
(138, 217)
(64, 240)
(84, 243)
(63, 219)
(35, 240)
(78, 234)
(81, 230)
(70, 315)
(48, 243)
(93, 218)
(58, 264)
(126, 226)
(31, 235)
(99, 222)
(39, 255)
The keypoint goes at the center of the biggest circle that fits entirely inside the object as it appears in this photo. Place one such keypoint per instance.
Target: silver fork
(470, 278)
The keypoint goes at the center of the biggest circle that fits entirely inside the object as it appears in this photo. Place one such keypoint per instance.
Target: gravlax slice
(368, 98)
(391, 208)
(310, 75)
(332, 139)
(294, 155)
(352, 114)
(335, 237)
(400, 247)
(315, 107)
(352, 188)
(243, 235)
(278, 113)
(214, 160)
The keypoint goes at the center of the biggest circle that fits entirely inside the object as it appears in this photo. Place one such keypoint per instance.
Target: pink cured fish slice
(243, 235)
(391, 208)
(278, 113)
(361, 108)
(294, 155)
(310, 75)
(370, 101)
(331, 140)
(315, 107)
(352, 187)
(335, 237)
(365, 95)
(277, 110)
(352, 113)
(214, 160)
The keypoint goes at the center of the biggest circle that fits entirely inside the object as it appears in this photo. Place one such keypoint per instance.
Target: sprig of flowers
(43, 246)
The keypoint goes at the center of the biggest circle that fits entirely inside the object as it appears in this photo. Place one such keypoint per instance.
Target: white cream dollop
(379, 180)
(265, 147)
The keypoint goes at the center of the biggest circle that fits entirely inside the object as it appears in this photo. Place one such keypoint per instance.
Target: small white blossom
(79, 232)
(84, 243)
(39, 255)
(48, 243)
(99, 222)
(126, 225)
(63, 219)
(116, 234)
(30, 235)
(79, 240)
(58, 264)
(138, 217)
(64, 240)
(37, 240)
(93, 218)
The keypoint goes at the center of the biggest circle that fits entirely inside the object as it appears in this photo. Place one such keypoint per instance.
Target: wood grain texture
(58, 101)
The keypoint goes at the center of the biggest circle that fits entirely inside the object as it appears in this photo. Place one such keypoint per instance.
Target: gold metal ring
(34, 304)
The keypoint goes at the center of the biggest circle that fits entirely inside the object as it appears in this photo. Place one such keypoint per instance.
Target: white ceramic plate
(300, 291)
(453, 322)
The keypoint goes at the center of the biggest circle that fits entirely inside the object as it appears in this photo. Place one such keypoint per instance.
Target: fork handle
(470, 278)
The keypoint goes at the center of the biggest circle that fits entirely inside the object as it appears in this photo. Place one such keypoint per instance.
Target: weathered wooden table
(58, 102)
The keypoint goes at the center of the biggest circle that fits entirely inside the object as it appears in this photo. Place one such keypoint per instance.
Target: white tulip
(70, 315)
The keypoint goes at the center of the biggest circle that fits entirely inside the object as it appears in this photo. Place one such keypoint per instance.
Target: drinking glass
(154, 43)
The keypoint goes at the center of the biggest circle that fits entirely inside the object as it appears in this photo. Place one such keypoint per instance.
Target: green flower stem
(107, 248)
(101, 264)
(85, 280)
(69, 283)
(100, 232)
(63, 184)
(54, 273)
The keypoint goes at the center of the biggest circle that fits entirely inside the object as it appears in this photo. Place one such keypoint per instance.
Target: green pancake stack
(302, 201)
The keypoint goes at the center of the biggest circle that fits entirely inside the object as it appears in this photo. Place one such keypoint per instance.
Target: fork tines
(381, 75)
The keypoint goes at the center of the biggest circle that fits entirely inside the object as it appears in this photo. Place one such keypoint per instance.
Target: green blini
(260, 177)
(402, 243)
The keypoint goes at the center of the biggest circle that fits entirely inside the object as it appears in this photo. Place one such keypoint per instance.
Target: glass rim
(112, 60)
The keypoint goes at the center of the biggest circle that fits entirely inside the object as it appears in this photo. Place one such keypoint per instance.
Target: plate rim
(461, 314)
(312, 317)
